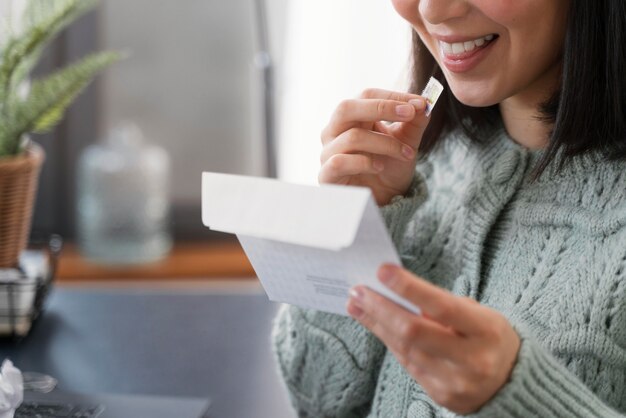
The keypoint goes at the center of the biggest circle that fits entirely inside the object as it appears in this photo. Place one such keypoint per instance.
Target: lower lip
(467, 63)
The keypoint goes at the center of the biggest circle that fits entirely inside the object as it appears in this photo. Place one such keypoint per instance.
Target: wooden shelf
(207, 260)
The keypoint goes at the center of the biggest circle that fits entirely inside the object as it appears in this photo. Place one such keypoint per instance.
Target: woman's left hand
(459, 351)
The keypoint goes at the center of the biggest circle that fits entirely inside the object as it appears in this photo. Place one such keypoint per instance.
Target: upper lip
(451, 39)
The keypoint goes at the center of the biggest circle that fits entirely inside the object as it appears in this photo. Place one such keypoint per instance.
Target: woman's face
(490, 50)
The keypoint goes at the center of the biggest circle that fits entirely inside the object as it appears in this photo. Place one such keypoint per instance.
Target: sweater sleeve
(399, 212)
(541, 386)
(330, 363)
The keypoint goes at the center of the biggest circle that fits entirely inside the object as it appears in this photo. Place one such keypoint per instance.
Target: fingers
(462, 314)
(351, 113)
(356, 140)
(402, 331)
(411, 131)
(399, 96)
(460, 371)
(340, 166)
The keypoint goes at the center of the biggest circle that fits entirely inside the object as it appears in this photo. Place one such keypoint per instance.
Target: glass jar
(123, 199)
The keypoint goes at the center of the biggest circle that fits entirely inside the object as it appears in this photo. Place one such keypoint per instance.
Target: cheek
(505, 12)
(407, 9)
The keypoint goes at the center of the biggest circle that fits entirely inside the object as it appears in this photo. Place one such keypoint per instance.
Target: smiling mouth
(462, 50)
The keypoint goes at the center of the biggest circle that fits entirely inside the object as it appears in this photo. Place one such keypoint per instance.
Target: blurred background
(238, 86)
(148, 301)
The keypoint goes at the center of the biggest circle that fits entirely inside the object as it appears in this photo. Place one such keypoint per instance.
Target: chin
(473, 94)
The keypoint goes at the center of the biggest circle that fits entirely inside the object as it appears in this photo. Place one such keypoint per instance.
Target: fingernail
(356, 293)
(355, 311)
(378, 165)
(404, 110)
(408, 152)
(420, 104)
(387, 274)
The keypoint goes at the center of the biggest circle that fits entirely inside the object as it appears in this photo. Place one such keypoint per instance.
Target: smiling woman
(507, 206)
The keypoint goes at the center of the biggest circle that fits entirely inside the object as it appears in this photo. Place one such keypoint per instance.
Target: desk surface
(186, 342)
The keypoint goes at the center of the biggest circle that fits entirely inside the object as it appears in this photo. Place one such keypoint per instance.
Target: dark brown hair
(587, 112)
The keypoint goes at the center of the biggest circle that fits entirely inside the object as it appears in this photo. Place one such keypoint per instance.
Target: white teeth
(457, 48)
(460, 47)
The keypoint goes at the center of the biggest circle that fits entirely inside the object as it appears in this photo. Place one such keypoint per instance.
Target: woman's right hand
(360, 149)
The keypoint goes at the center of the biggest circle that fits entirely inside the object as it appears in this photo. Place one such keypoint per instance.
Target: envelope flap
(325, 216)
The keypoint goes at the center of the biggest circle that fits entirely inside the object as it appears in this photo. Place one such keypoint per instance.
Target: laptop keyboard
(57, 410)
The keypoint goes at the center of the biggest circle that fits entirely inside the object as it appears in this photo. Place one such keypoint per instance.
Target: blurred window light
(10, 15)
(334, 50)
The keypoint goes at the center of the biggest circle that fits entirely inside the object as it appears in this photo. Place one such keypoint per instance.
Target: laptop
(59, 404)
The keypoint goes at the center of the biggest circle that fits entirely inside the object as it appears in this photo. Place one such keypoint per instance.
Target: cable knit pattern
(549, 255)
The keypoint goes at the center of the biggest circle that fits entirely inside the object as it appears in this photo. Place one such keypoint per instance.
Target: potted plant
(34, 107)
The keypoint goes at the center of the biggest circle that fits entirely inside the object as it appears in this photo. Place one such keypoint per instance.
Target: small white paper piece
(307, 244)
(11, 389)
(431, 93)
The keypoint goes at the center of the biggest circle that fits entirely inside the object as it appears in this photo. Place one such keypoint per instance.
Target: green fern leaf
(49, 98)
(43, 19)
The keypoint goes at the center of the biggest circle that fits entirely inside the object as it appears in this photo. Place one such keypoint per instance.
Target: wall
(189, 82)
(334, 50)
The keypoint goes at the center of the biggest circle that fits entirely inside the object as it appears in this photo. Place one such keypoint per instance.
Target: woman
(512, 229)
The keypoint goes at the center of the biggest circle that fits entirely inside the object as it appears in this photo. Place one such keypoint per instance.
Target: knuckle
(484, 366)
(408, 330)
(400, 97)
(445, 309)
(494, 329)
(382, 107)
(335, 164)
(391, 146)
(404, 346)
(368, 93)
(343, 109)
(396, 147)
(352, 138)
(402, 287)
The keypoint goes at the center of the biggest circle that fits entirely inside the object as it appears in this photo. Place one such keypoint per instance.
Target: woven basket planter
(18, 185)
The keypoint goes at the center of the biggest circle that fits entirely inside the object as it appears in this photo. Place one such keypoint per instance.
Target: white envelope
(307, 244)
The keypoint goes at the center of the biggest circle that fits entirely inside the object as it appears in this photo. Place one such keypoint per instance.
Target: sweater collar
(500, 152)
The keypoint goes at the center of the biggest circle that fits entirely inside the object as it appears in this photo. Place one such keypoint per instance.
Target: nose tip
(439, 11)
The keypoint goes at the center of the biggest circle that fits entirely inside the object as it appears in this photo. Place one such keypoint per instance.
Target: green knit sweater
(549, 255)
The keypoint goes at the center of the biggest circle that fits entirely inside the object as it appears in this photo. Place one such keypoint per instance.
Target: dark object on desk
(190, 342)
(71, 405)
(23, 289)
(47, 409)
